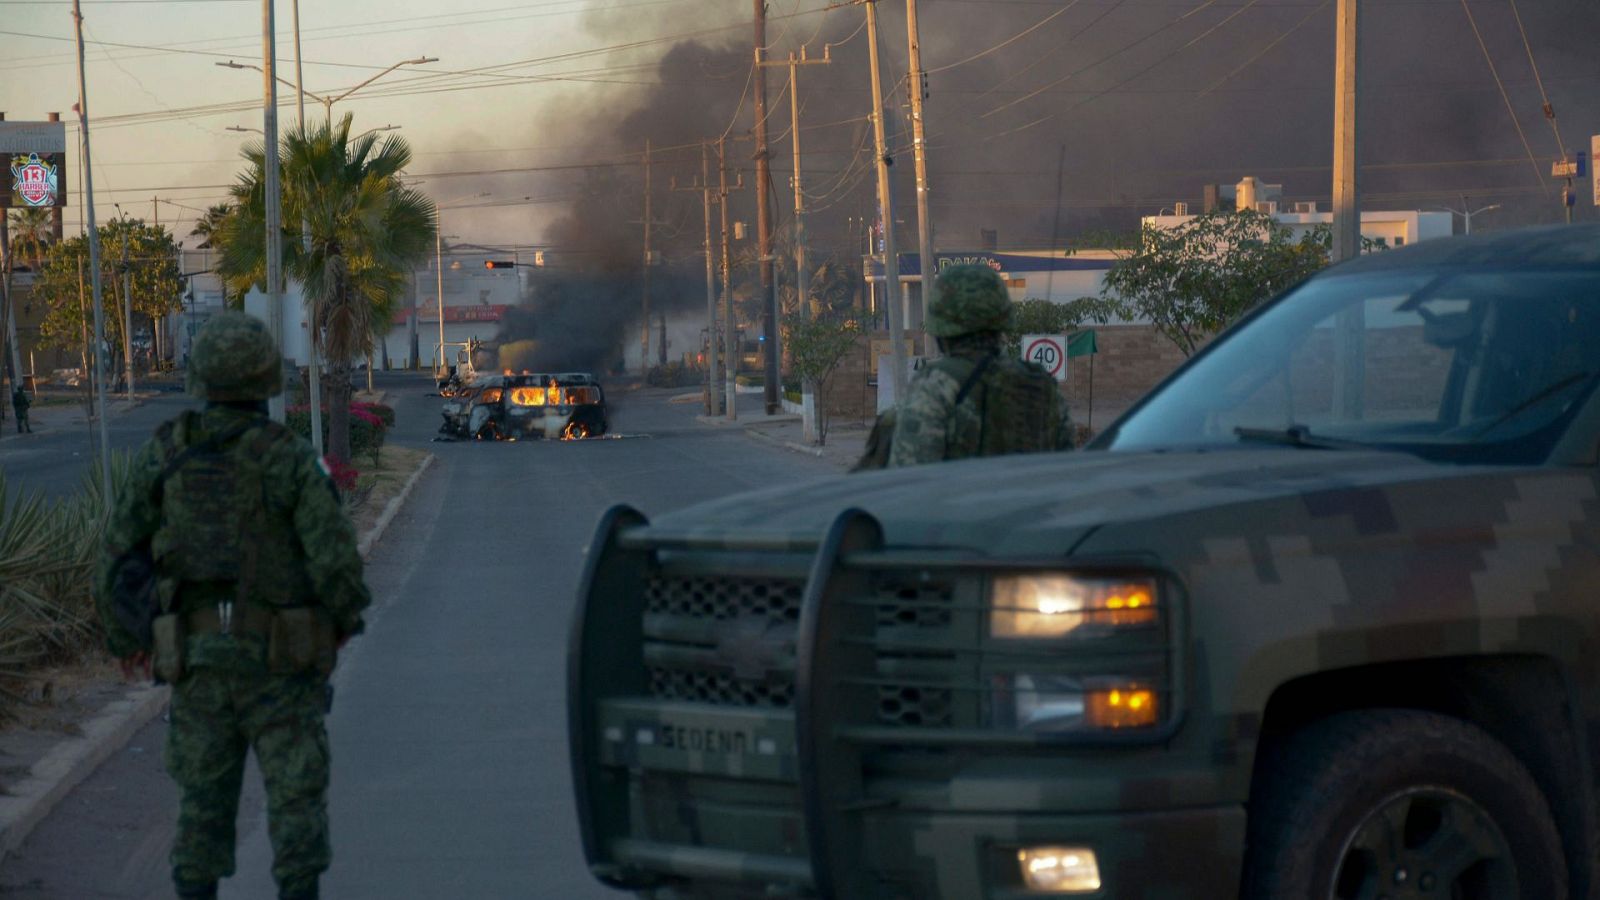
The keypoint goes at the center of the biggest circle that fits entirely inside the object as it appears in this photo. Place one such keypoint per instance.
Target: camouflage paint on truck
(794, 692)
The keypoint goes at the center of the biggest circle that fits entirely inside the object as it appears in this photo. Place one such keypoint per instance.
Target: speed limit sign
(1048, 351)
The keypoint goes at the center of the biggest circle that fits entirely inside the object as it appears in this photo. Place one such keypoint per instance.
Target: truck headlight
(1055, 703)
(1052, 605)
(1059, 870)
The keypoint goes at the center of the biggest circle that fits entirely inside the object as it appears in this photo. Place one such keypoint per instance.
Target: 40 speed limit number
(1048, 351)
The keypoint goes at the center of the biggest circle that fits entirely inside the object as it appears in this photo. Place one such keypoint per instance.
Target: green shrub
(367, 429)
(675, 374)
(48, 555)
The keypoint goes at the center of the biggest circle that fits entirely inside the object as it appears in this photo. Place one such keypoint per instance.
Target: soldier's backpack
(135, 602)
(880, 441)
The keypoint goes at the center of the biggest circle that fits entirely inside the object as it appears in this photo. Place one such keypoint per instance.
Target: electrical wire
(1549, 111)
(1164, 58)
(1008, 41)
(1503, 95)
(1267, 49)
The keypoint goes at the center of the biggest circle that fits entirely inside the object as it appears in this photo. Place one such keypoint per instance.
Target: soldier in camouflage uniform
(258, 581)
(973, 401)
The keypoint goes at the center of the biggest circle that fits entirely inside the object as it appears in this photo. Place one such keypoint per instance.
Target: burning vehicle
(562, 406)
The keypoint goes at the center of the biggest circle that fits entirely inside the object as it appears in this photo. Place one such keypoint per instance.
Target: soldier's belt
(246, 618)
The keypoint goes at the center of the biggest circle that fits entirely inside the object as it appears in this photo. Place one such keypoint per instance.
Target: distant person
(257, 582)
(20, 402)
(974, 401)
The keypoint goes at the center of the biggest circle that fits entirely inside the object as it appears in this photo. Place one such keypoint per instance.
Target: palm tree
(31, 227)
(210, 224)
(364, 231)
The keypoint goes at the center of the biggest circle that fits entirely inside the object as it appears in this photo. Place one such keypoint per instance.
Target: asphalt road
(450, 774)
(55, 458)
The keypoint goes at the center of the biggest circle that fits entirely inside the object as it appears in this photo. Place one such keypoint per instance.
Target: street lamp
(1466, 214)
(438, 263)
(244, 129)
(328, 101)
(378, 129)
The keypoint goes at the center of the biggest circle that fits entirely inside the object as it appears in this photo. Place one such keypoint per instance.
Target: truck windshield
(1472, 367)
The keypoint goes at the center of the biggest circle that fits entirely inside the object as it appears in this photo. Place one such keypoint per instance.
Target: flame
(575, 431)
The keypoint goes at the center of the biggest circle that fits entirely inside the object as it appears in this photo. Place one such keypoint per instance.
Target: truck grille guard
(869, 661)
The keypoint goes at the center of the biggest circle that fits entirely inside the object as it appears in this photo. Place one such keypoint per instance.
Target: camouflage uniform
(974, 401)
(231, 561)
(20, 402)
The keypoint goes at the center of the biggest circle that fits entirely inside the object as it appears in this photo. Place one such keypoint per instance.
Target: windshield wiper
(1537, 398)
(1295, 436)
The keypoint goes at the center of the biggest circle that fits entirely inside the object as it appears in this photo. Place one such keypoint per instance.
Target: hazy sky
(1133, 104)
(187, 156)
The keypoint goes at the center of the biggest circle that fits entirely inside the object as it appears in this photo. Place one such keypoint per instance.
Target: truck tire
(1398, 803)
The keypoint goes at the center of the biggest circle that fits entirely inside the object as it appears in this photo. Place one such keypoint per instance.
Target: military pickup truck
(1320, 617)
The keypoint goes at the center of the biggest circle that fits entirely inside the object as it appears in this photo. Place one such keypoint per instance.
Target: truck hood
(1039, 504)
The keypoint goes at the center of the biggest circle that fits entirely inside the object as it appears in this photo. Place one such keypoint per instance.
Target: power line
(1268, 48)
(1164, 58)
(1549, 111)
(1008, 41)
(1503, 95)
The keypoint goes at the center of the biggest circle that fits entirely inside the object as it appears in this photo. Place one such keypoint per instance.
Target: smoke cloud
(1132, 105)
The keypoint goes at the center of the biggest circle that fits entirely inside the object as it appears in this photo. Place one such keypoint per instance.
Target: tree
(365, 230)
(153, 276)
(816, 346)
(210, 224)
(1192, 280)
(31, 229)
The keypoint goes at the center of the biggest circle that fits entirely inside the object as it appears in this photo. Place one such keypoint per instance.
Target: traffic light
(499, 264)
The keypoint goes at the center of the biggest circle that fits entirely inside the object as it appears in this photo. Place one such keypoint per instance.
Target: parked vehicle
(1316, 618)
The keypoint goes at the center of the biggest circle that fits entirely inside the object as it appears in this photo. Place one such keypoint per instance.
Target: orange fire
(574, 431)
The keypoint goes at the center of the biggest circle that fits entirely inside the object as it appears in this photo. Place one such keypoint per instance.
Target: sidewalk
(845, 440)
(54, 416)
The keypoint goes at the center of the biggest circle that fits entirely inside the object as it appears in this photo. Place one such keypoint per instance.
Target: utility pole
(730, 332)
(769, 291)
(1346, 202)
(274, 193)
(127, 309)
(314, 366)
(891, 262)
(1350, 326)
(644, 331)
(94, 261)
(802, 278)
(7, 307)
(917, 87)
(703, 185)
(56, 224)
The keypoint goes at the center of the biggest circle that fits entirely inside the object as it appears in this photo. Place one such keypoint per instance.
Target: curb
(389, 512)
(66, 766)
(757, 434)
(51, 779)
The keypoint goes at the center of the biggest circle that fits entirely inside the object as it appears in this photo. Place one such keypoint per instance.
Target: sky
(187, 157)
(1046, 117)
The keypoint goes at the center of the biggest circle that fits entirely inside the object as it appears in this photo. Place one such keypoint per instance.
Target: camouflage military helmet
(233, 359)
(967, 300)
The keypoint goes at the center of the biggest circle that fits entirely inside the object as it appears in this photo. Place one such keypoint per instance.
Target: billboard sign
(1594, 154)
(35, 156)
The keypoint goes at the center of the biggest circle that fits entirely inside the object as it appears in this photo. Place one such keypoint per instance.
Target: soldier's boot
(191, 891)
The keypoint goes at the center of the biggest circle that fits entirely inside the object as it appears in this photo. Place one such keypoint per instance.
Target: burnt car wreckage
(561, 406)
(1317, 618)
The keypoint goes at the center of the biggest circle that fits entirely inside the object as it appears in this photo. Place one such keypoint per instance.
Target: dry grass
(379, 485)
(48, 553)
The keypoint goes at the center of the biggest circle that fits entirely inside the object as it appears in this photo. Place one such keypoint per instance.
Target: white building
(1393, 228)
